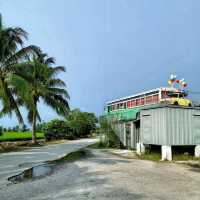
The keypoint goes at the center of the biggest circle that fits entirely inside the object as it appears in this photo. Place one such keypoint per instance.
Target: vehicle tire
(190, 105)
(176, 103)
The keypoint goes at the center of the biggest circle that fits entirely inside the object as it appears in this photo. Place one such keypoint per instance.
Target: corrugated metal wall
(153, 126)
(170, 126)
(127, 132)
(135, 135)
(183, 126)
(119, 130)
(161, 126)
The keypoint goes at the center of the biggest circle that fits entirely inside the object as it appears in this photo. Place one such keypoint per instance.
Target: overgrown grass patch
(17, 136)
(153, 156)
(184, 157)
(156, 156)
(98, 145)
(73, 156)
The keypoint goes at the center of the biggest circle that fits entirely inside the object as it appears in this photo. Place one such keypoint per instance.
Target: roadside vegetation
(107, 136)
(19, 136)
(76, 125)
(73, 156)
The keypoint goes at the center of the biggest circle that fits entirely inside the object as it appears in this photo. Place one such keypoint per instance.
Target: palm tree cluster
(27, 75)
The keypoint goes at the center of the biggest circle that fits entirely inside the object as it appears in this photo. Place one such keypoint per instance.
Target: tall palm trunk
(34, 141)
(34, 128)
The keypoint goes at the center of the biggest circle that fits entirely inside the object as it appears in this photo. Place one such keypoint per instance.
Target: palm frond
(58, 91)
(30, 116)
(22, 54)
(56, 82)
(19, 84)
(1, 22)
(49, 61)
(31, 79)
(55, 70)
(16, 35)
(57, 103)
(9, 103)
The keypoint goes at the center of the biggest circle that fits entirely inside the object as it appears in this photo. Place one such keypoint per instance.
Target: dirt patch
(18, 145)
(124, 153)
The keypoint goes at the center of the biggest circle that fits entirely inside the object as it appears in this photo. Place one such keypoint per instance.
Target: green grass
(16, 136)
(97, 145)
(184, 157)
(153, 156)
(73, 156)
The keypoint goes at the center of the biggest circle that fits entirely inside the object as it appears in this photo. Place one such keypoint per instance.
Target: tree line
(75, 125)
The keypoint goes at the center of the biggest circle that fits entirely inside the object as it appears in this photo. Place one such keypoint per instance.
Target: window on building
(142, 101)
(121, 105)
(129, 104)
(133, 103)
(137, 102)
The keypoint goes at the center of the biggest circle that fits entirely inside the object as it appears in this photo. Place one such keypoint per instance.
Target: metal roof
(165, 105)
(140, 94)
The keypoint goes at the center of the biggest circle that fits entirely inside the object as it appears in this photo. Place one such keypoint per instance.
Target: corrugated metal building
(170, 126)
(165, 125)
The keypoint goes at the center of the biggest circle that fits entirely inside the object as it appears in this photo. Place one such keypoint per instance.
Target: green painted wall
(127, 114)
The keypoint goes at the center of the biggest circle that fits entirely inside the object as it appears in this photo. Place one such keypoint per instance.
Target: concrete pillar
(132, 135)
(197, 151)
(124, 134)
(166, 153)
(140, 148)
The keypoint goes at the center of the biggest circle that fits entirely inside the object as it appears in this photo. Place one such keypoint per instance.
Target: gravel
(13, 163)
(107, 176)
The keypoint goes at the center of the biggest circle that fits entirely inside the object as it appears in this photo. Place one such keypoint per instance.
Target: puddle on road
(47, 168)
(39, 171)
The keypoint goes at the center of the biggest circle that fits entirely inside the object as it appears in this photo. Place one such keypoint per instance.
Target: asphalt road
(105, 176)
(13, 163)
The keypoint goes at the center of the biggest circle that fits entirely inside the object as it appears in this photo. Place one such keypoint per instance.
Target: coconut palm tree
(12, 52)
(37, 80)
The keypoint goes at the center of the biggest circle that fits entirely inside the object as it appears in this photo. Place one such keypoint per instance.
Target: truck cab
(176, 97)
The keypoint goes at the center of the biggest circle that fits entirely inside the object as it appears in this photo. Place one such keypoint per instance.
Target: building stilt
(166, 153)
(197, 151)
(140, 148)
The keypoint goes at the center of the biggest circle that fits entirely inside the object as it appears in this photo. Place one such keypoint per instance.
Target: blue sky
(111, 48)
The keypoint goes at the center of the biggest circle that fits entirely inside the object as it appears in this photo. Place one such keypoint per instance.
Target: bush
(108, 137)
(82, 124)
(15, 128)
(24, 128)
(40, 127)
(77, 125)
(57, 129)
